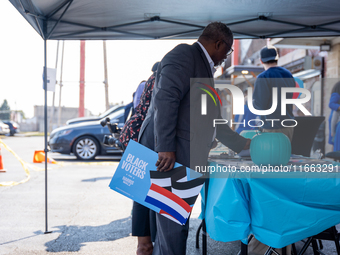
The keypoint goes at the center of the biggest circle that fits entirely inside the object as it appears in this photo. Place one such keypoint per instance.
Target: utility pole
(81, 111)
(52, 114)
(61, 84)
(107, 106)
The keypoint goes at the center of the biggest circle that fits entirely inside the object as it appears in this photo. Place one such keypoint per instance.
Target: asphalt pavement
(84, 216)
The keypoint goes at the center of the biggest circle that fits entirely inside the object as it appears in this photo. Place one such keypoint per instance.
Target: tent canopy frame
(42, 21)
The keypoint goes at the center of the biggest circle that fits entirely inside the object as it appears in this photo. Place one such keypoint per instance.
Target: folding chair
(244, 247)
(330, 234)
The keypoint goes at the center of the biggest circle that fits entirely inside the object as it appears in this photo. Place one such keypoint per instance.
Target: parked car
(4, 129)
(95, 118)
(13, 127)
(85, 139)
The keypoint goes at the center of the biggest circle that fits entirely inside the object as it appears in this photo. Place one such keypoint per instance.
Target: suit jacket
(174, 121)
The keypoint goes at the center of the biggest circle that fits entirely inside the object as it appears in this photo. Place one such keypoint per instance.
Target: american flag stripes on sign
(168, 202)
(173, 193)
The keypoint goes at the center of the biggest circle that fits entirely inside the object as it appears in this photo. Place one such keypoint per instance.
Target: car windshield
(116, 115)
(109, 111)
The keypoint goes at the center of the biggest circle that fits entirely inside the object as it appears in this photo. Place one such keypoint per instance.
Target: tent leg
(45, 133)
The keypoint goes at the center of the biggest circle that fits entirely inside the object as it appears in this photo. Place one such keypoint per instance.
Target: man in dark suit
(175, 127)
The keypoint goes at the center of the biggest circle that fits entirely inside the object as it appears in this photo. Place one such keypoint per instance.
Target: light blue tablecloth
(278, 211)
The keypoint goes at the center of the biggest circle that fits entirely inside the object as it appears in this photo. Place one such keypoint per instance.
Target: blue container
(270, 149)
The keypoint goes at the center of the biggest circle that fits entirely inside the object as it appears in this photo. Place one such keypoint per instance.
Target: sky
(22, 60)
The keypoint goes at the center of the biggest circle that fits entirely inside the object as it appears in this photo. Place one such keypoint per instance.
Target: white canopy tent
(175, 19)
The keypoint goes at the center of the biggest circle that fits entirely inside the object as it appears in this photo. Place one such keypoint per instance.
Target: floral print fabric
(132, 126)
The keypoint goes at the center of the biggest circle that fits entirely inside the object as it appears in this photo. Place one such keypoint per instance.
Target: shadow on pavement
(213, 247)
(72, 238)
(96, 179)
(39, 232)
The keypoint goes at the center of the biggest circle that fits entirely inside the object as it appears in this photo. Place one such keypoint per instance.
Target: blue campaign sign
(171, 193)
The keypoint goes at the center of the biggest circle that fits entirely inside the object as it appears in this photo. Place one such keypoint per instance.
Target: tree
(5, 111)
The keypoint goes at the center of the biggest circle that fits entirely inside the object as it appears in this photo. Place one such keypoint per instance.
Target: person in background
(131, 128)
(129, 109)
(334, 104)
(138, 93)
(248, 115)
(334, 124)
(278, 77)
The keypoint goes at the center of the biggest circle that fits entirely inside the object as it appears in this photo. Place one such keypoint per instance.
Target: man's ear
(218, 45)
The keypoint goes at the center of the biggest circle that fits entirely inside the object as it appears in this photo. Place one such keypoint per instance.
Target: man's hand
(247, 146)
(166, 161)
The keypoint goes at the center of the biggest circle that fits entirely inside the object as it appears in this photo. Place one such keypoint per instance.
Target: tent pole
(45, 132)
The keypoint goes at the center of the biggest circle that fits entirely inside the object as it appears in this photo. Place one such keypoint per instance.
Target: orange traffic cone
(2, 170)
(39, 156)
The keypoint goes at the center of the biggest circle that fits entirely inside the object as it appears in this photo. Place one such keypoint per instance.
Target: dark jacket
(174, 121)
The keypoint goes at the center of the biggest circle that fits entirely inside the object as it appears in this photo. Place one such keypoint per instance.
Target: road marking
(26, 165)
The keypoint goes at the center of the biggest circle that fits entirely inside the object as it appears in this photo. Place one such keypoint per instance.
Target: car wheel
(86, 148)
